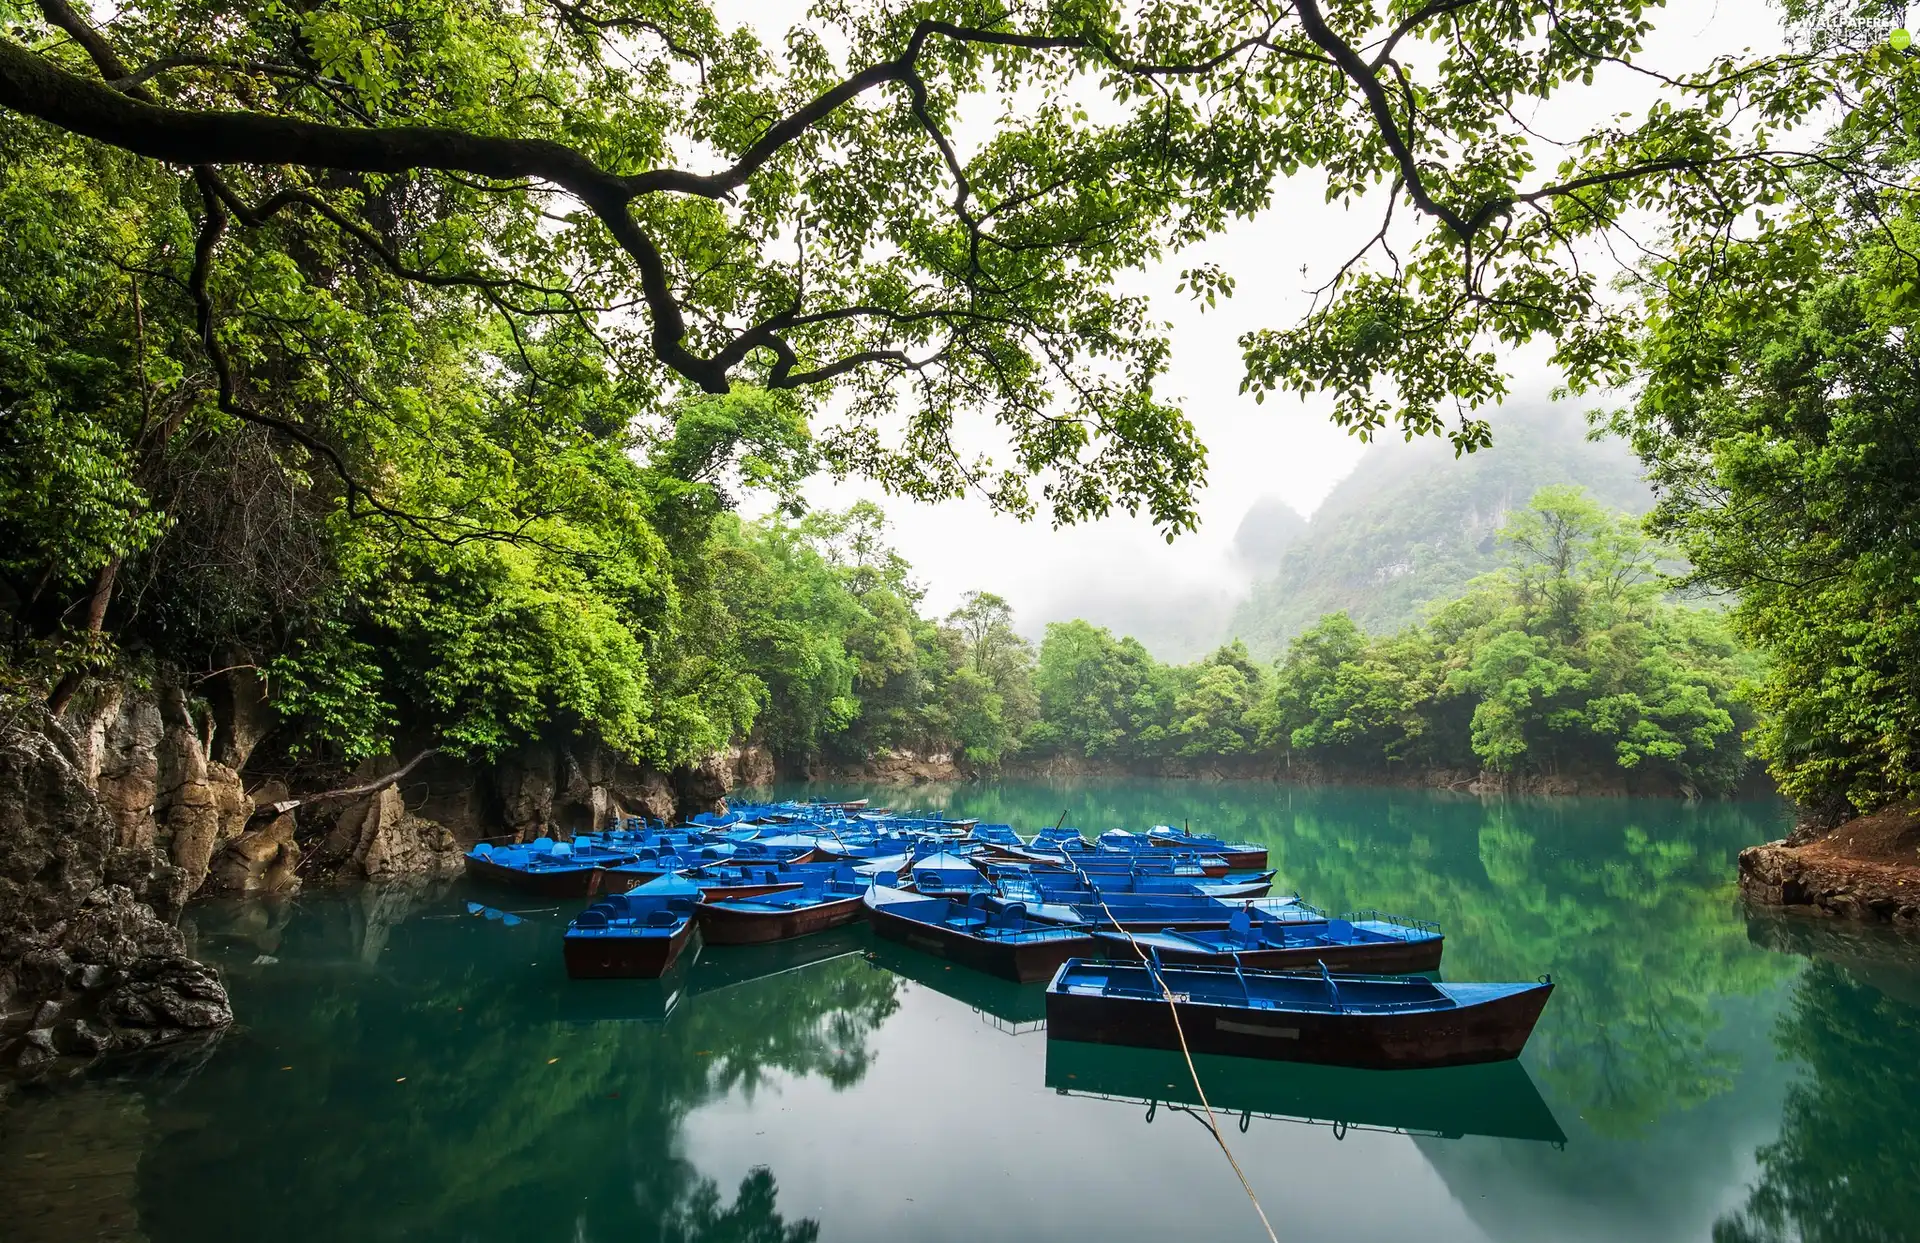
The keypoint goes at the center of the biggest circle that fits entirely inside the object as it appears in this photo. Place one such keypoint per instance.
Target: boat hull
(1237, 860)
(625, 958)
(721, 926)
(1366, 958)
(1493, 1031)
(625, 880)
(567, 883)
(730, 893)
(1026, 962)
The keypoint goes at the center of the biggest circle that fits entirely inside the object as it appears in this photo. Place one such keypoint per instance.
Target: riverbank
(1867, 868)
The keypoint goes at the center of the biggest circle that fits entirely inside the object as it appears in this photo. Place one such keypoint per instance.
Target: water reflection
(1496, 1099)
(414, 1072)
(1842, 1169)
(447, 1082)
(1014, 1008)
(1630, 905)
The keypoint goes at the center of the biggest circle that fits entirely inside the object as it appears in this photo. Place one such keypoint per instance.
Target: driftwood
(286, 805)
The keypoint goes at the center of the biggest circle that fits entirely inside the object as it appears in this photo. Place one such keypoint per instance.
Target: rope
(1173, 1008)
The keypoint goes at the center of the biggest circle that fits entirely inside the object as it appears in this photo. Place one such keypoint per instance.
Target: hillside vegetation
(1413, 524)
(1567, 661)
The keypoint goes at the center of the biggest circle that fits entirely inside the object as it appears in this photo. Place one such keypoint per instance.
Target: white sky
(1120, 568)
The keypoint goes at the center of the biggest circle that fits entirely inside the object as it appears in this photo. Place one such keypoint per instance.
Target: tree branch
(286, 805)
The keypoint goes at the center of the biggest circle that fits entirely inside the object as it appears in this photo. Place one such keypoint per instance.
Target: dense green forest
(392, 358)
(1413, 524)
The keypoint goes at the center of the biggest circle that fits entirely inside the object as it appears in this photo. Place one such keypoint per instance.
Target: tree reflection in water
(447, 1086)
(1843, 1168)
(1628, 903)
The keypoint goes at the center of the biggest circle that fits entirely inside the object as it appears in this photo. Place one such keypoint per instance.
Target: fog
(1177, 597)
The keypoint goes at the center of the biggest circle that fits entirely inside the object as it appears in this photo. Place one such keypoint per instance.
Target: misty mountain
(1412, 524)
(1270, 528)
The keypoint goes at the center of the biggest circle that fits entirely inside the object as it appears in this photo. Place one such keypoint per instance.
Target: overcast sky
(1119, 569)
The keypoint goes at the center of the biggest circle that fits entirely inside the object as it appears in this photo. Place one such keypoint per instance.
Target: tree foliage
(1567, 658)
(1778, 418)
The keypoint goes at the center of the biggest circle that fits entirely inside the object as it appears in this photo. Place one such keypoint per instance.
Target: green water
(408, 1072)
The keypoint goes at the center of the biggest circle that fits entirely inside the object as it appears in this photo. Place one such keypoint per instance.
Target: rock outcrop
(87, 964)
(378, 839)
(260, 861)
(1867, 868)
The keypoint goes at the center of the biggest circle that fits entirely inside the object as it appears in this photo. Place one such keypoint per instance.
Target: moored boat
(635, 935)
(947, 874)
(1237, 854)
(816, 906)
(1340, 1020)
(986, 934)
(541, 868)
(1149, 912)
(1301, 939)
(722, 882)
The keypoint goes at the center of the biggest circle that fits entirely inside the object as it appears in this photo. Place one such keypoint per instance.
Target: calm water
(408, 1072)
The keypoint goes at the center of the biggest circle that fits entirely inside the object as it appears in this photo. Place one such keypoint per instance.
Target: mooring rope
(1179, 1032)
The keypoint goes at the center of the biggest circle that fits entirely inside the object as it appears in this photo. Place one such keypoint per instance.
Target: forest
(387, 362)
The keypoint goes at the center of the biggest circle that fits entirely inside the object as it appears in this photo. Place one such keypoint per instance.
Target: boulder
(260, 861)
(390, 843)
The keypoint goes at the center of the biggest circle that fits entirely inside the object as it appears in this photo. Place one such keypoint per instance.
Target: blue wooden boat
(1052, 885)
(1237, 854)
(823, 902)
(1298, 938)
(1340, 1020)
(945, 874)
(1151, 912)
(983, 933)
(543, 867)
(719, 882)
(1164, 862)
(995, 835)
(635, 935)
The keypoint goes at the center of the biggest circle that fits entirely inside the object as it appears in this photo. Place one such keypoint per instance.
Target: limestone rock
(120, 758)
(74, 940)
(705, 786)
(55, 836)
(264, 860)
(525, 784)
(1816, 882)
(642, 792)
(391, 843)
(240, 710)
(752, 765)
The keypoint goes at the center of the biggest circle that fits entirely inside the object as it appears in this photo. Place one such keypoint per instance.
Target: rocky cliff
(90, 961)
(139, 798)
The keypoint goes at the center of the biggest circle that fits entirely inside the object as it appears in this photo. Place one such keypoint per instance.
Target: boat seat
(1241, 924)
(663, 918)
(482, 850)
(590, 918)
(1339, 930)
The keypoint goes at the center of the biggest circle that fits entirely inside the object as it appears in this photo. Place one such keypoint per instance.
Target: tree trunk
(96, 619)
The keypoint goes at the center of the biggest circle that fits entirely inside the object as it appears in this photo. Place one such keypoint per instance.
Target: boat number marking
(1254, 1029)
